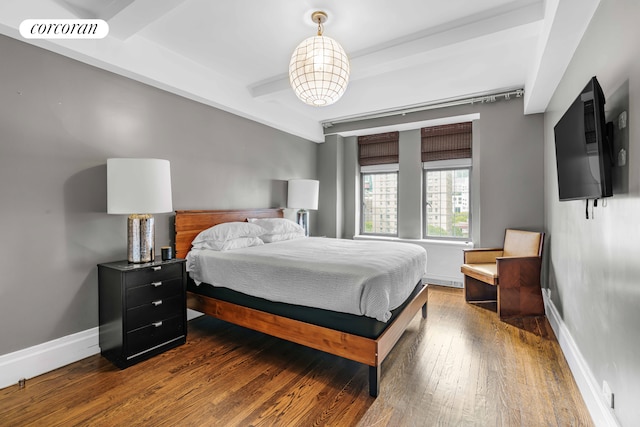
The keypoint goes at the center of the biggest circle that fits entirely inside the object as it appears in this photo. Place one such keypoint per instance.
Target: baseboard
(441, 280)
(192, 314)
(42, 358)
(601, 414)
(45, 357)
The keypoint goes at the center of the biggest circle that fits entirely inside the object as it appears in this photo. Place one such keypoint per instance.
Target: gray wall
(351, 187)
(594, 273)
(410, 185)
(330, 197)
(59, 122)
(507, 170)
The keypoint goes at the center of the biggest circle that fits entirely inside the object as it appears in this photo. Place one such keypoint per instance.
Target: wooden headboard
(189, 223)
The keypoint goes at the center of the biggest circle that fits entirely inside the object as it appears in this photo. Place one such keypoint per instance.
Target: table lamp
(303, 195)
(139, 188)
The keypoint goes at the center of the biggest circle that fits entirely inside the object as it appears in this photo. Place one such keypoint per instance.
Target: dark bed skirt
(358, 325)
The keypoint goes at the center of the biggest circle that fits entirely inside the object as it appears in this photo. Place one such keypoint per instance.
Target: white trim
(447, 164)
(192, 314)
(402, 127)
(465, 244)
(39, 359)
(390, 167)
(443, 280)
(601, 414)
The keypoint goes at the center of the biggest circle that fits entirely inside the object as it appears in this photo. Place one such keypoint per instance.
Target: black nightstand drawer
(153, 274)
(154, 311)
(153, 291)
(154, 335)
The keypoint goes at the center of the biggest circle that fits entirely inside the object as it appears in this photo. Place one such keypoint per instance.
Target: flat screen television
(583, 147)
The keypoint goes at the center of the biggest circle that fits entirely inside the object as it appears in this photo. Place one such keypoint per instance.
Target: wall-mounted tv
(583, 147)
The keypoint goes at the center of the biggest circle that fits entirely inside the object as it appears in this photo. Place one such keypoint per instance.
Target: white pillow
(218, 234)
(239, 243)
(271, 238)
(277, 225)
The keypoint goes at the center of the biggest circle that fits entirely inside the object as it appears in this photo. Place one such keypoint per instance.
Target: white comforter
(357, 277)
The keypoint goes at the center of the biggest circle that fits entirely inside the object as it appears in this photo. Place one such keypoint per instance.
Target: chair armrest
(482, 256)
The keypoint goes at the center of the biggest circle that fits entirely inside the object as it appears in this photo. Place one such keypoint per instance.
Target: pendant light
(319, 68)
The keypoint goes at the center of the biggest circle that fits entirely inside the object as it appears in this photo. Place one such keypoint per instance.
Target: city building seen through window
(380, 203)
(447, 203)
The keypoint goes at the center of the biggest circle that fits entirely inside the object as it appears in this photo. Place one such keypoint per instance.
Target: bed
(353, 336)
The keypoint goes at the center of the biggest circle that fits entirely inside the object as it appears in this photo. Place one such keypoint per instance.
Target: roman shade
(378, 149)
(446, 142)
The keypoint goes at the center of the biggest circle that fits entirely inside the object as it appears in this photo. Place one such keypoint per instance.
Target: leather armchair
(509, 275)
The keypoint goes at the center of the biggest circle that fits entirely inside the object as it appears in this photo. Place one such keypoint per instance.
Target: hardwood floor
(459, 367)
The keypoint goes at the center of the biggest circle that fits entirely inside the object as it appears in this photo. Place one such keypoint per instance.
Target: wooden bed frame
(188, 223)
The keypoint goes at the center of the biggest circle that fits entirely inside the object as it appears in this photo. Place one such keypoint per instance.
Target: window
(447, 203)
(378, 159)
(446, 157)
(379, 203)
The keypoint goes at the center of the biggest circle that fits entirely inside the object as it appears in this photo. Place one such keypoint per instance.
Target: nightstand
(143, 309)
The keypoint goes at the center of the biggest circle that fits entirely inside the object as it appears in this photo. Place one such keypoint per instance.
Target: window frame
(446, 165)
(378, 170)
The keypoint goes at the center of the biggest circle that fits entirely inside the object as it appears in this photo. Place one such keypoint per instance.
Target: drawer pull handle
(157, 324)
(156, 284)
(158, 268)
(157, 303)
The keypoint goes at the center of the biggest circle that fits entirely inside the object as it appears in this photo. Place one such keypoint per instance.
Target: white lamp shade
(303, 194)
(138, 186)
(319, 71)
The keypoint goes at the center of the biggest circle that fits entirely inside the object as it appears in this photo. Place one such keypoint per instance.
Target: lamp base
(303, 220)
(140, 238)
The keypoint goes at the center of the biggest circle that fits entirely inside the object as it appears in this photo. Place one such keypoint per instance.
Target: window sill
(449, 243)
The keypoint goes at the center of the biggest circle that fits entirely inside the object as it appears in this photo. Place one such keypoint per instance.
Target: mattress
(362, 278)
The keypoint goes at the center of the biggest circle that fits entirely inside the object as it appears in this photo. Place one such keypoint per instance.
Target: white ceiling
(234, 54)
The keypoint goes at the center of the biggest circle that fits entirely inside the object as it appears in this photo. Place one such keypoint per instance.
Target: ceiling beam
(110, 9)
(136, 15)
(417, 48)
(565, 23)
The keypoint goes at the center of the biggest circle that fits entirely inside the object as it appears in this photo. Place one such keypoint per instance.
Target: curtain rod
(478, 99)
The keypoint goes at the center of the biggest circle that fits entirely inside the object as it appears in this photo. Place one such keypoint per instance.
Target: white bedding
(357, 277)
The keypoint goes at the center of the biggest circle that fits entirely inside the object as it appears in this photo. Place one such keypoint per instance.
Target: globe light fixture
(319, 68)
